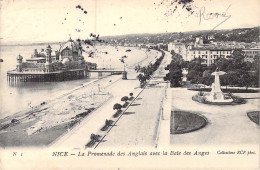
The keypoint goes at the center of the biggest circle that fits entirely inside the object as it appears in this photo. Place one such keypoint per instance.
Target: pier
(14, 76)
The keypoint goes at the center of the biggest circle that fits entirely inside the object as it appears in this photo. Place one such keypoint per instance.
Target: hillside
(240, 35)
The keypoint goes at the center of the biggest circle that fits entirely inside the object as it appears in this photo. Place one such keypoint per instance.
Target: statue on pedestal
(216, 93)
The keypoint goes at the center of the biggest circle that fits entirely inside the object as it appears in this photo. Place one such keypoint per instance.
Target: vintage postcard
(129, 84)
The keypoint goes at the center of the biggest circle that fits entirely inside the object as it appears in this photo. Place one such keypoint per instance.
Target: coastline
(42, 117)
(47, 122)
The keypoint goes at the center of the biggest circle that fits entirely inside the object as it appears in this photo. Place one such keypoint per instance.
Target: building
(208, 55)
(179, 48)
(210, 37)
(67, 63)
(251, 53)
(68, 57)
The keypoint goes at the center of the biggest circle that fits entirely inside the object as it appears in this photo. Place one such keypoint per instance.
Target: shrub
(238, 100)
(203, 100)
(201, 93)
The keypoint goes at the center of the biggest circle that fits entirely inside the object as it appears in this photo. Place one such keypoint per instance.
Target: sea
(21, 96)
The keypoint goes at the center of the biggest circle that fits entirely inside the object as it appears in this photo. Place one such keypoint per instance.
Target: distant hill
(240, 35)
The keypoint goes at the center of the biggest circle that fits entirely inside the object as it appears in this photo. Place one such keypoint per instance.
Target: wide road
(139, 125)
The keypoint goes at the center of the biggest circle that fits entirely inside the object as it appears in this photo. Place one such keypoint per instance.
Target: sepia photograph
(133, 84)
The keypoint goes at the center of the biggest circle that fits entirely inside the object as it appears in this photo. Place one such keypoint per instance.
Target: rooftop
(212, 48)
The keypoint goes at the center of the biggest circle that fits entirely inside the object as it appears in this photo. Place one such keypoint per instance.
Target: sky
(57, 20)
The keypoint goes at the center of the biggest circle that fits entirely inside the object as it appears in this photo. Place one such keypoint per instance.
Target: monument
(216, 95)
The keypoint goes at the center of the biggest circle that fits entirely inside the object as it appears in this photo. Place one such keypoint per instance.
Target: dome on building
(19, 57)
(72, 45)
(42, 54)
(65, 61)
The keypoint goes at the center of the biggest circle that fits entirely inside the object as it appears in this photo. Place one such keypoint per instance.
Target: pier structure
(14, 76)
(67, 64)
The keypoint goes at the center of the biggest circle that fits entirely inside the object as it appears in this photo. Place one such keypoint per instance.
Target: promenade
(140, 124)
(79, 136)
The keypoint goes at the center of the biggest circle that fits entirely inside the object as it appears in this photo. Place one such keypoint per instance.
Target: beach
(40, 125)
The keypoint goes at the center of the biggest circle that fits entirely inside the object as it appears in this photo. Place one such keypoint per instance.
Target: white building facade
(209, 56)
(179, 48)
(251, 53)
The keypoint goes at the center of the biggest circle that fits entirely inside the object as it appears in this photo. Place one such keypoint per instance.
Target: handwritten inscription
(203, 15)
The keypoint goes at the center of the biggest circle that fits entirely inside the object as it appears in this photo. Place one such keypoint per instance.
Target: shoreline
(47, 122)
(36, 118)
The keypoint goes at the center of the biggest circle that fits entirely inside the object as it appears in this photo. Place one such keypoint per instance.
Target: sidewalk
(164, 128)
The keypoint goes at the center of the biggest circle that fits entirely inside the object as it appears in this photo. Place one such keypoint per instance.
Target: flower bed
(226, 90)
(200, 97)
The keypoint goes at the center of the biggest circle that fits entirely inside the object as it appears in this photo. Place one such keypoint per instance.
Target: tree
(94, 137)
(195, 71)
(108, 122)
(237, 70)
(124, 99)
(142, 80)
(225, 80)
(137, 68)
(131, 94)
(117, 106)
(207, 78)
(246, 80)
(175, 70)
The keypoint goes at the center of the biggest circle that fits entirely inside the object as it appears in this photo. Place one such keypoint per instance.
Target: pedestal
(124, 75)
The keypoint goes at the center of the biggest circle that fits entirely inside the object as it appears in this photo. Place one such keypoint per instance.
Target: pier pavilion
(67, 64)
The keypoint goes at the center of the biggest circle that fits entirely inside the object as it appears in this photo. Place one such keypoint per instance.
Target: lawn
(254, 116)
(184, 122)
